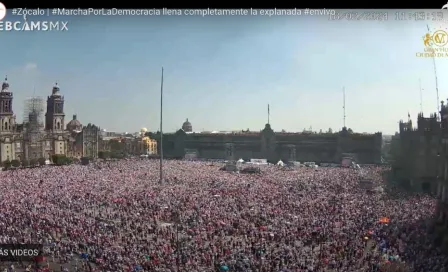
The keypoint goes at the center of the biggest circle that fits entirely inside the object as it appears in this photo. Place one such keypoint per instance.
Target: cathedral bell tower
(6, 113)
(54, 117)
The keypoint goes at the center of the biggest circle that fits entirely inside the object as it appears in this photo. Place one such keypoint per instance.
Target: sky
(221, 72)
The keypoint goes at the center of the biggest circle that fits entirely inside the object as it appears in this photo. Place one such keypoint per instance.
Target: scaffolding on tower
(33, 119)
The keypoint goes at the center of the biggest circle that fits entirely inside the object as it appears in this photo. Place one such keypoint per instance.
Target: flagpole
(161, 130)
(268, 114)
(343, 103)
(435, 75)
(421, 97)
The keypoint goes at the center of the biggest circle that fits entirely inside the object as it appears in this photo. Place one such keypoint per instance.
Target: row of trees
(60, 160)
(56, 159)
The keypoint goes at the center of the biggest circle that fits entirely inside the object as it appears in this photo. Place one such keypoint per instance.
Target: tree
(320, 131)
(33, 162)
(350, 131)
(41, 161)
(330, 131)
(60, 159)
(68, 161)
(55, 158)
(25, 163)
(15, 163)
(104, 155)
(7, 164)
(117, 155)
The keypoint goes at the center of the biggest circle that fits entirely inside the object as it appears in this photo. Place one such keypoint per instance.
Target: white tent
(280, 163)
(240, 160)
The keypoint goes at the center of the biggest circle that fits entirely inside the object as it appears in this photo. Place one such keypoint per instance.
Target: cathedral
(32, 140)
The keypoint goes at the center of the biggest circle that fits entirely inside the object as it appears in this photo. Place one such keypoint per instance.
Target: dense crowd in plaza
(117, 216)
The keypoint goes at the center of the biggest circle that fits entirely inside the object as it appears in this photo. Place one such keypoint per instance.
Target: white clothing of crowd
(116, 216)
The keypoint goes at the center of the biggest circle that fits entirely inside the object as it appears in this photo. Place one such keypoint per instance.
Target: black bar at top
(343, 4)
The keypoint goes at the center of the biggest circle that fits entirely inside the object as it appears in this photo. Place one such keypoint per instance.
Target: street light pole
(161, 130)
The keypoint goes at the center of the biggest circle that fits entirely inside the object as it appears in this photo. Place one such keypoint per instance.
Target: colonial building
(54, 122)
(11, 141)
(31, 140)
(442, 185)
(417, 153)
(145, 145)
(133, 145)
(85, 141)
(274, 146)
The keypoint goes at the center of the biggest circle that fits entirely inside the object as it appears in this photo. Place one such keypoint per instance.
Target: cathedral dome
(186, 126)
(5, 85)
(56, 89)
(74, 124)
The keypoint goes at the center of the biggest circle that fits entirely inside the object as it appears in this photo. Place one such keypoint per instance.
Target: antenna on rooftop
(435, 75)
(421, 97)
(343, 104)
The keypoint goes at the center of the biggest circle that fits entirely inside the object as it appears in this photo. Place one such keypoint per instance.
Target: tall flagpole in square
(269, 114)
(161, 130)
(435, 75)
(343, 105)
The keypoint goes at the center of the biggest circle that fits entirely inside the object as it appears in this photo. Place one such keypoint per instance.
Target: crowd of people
(118, 216)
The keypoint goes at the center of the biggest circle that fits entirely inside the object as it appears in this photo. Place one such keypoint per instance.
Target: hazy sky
(221, 72)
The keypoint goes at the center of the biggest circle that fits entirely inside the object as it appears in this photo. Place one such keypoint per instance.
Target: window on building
(17, 145)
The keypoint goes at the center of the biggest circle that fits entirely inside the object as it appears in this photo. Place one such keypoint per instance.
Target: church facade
(32, 140)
